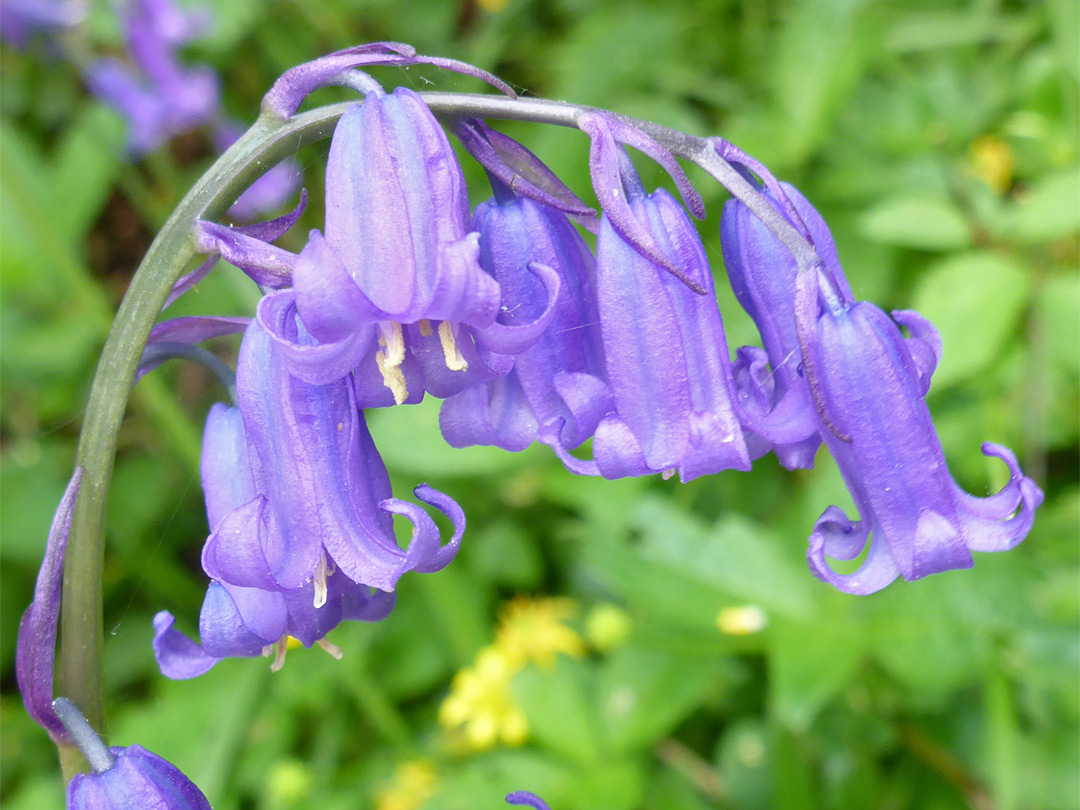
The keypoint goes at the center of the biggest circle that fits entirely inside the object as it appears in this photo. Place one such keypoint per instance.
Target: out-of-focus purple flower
(868, 384)
(124, 777)
(542, 389)
(20, 19)
(397, 274)
(159, 97)
(665, 351)
(523, 797)
(35, 652)
(301, 515)
(270, 191)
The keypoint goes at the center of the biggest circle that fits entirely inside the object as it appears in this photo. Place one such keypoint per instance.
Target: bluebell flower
(158, 95)
(397, 275)
(669, 376)
(123, 777)
(301, 517)
(542, 392)
(868, 385)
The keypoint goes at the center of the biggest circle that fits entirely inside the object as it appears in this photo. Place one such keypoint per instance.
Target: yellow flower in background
(491, 5)
(480, 712)
(532, 629)
(742, 620)
(412, 785)
(991, 161)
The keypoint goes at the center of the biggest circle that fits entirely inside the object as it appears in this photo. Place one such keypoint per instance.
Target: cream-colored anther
(332, 649)
(389, 360)
(454, 360)
(392, 339)
(668, 473)
(392, 378)
(319, 580)
(425, 327)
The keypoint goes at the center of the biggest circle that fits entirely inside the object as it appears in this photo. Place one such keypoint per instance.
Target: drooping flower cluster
(527, 335)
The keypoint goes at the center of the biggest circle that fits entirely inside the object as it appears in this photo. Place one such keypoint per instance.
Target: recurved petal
(924, 343)
(177, 656)
(235, 552)
(328, 299)
(463, 292)
(877, 571)
(588, 398)
(424, 554)
(938, 546)
(1001, 521)
(515, 339)
(222, 629)
(314, 362)
(618, 452)
(715, 444)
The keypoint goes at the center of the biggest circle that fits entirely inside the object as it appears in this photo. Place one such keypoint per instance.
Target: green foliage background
(957, 691)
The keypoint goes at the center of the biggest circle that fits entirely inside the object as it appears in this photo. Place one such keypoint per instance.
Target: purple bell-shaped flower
(668, 371)
(301, 516)
(540, 392)
(868, 383)
(124, 777)
(397, 276)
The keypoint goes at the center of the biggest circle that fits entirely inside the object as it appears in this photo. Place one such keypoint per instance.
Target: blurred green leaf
(925, 223)
(736, 556)
(976, 301)
(560, 704)
(810, 664)
(643, 693)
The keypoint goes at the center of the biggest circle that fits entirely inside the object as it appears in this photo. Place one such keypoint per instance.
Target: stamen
(425, 327)
(389, 360)
(280, 648)
(454, 360)
(332, 649)
(392, 378)
(393, 339)
(320, 580)
(668, 473)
